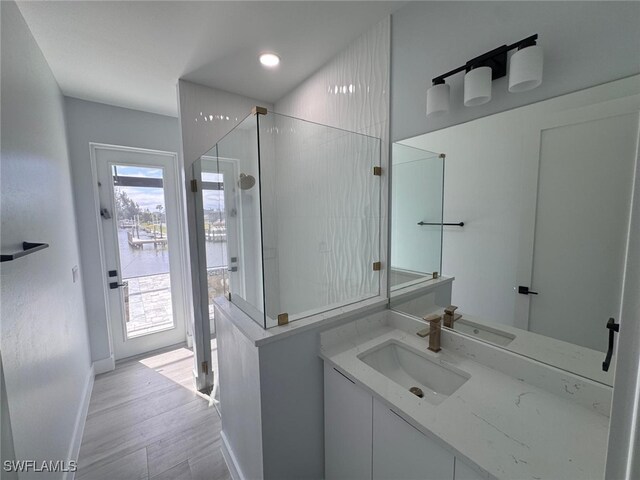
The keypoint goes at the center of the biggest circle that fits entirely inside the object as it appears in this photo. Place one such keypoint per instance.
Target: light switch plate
(74, 273)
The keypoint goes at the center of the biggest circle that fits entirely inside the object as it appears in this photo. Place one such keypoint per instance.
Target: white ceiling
(132, 54)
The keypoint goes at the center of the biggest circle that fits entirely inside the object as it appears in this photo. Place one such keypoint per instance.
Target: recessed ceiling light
(269, 59)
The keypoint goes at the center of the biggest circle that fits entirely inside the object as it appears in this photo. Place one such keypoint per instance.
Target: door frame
(181, 234)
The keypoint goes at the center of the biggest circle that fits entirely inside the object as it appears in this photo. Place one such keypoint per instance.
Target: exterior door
(142, 242)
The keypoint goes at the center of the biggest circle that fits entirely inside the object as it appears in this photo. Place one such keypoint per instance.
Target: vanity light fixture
(525, 73)
(438, 99)
(477, 86)
(525, 68)
(269, 59)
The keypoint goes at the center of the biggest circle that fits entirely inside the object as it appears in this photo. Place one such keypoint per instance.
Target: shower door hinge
(258, 110)
(377, 266)
(377, 171)
(283, 319)
(205, 367)
(194, 185)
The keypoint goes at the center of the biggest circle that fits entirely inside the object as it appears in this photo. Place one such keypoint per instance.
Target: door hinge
(194, 185)
(205, 367)
(377, 171)
(377, 266)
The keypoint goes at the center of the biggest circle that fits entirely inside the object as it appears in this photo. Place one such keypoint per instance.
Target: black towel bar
(459, 224)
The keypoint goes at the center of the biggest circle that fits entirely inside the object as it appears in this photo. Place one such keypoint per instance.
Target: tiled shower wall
(350, 92)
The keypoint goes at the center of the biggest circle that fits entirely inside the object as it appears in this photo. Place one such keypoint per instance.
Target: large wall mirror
(544, 192)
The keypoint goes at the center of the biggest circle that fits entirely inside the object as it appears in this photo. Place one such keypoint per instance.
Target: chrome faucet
(450, 316)
(434, 330)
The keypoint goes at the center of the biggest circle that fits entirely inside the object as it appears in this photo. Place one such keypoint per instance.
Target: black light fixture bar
(496, 59)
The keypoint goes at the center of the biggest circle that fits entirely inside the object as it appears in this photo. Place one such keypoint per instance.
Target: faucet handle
(450, 310)
(432, 318)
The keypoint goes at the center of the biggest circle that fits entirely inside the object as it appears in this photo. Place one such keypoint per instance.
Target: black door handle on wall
(613, 328)
(114, 285)
(525, 290)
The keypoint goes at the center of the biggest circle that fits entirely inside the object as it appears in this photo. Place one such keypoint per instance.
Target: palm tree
(160, 208)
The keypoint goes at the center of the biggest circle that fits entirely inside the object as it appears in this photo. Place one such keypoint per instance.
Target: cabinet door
(347, 428)
(401, 452)
(465, 472)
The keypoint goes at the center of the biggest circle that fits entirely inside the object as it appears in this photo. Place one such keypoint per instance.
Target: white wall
(98, 123)
(198, 102)
(585, 44)
(240, 393)
(6, 441)
(292, 404)
(44, 341)
(350, 92)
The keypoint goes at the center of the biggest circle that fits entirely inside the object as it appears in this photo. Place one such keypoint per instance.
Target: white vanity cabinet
(365, 439)
(400, 451)
(347, 428)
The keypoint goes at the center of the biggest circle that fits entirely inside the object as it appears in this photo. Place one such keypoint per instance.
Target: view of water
(149, 260)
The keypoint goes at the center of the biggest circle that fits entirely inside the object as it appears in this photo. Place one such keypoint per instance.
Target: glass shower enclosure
(289, 219)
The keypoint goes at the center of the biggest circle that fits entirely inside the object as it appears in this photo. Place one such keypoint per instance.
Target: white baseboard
(230, 459)
(81, 417)
(105, 365)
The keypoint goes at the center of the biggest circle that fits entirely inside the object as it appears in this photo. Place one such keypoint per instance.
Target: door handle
(613, 328)
(525, 290)
(114, 285)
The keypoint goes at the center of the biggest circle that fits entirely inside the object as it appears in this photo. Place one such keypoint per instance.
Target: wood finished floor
(146, 421)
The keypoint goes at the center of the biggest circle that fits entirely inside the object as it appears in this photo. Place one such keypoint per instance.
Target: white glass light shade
(525, 69)
(438, 99)
(477, 86)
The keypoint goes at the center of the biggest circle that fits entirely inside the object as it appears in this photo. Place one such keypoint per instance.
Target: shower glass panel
(417, 190)
(212, 227)
(321, 216)
(302, 216)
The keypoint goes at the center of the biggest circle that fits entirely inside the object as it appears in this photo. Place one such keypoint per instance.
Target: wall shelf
(27, 249)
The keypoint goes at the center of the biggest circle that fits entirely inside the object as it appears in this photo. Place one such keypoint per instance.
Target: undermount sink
(483, 332)
(415, 372)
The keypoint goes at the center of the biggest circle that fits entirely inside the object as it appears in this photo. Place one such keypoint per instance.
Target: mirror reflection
(416, 215)
(544, 192)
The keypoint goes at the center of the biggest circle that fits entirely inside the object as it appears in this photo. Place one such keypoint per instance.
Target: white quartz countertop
(506, 427)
